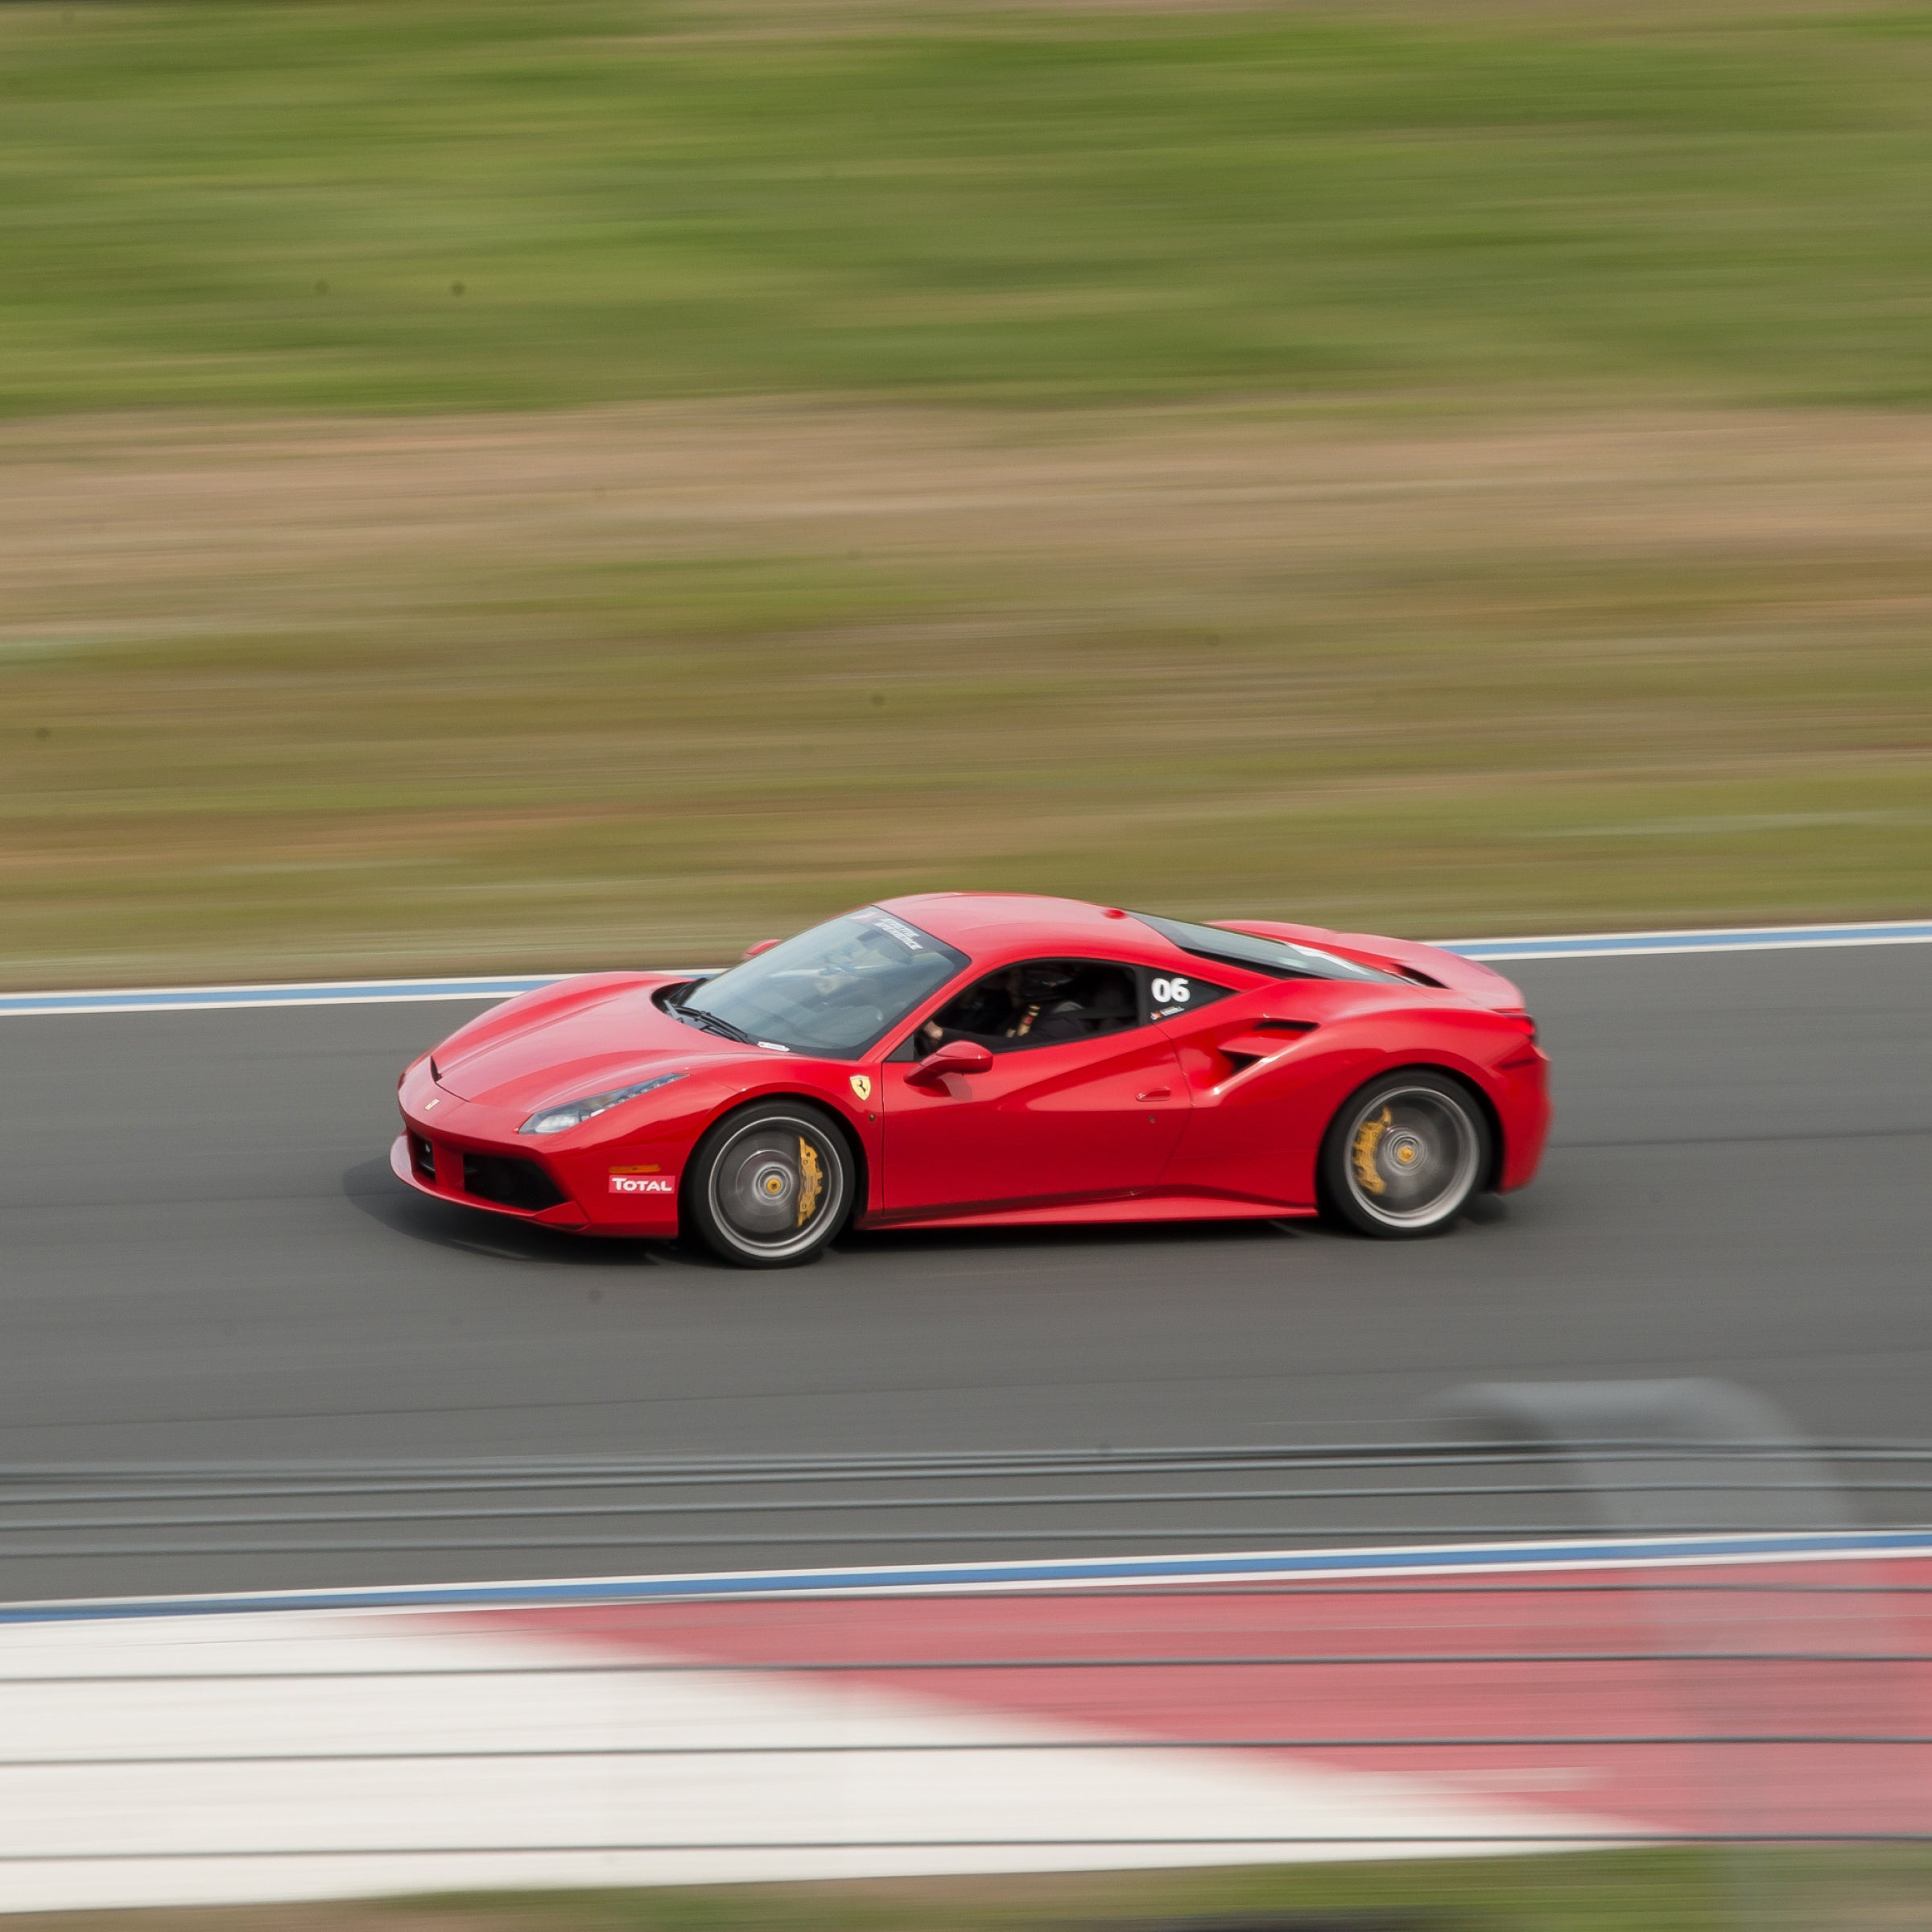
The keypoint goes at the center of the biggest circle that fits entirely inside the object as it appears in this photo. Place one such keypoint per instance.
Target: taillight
(1526, 1055)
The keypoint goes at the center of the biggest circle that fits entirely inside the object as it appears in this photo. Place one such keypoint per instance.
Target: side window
(1040, 1003)
(1169, 995)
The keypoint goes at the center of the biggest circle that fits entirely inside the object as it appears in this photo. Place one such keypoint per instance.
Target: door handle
(1156, 1093)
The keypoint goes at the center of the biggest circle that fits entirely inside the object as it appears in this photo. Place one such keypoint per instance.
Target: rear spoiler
(1426, 965)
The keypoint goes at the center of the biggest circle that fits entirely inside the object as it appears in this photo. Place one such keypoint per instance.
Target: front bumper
(462, 1151)
(483, 1179)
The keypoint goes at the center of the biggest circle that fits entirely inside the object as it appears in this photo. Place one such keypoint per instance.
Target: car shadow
(1124, 1234)
(1485, 1210)
(372, 1189)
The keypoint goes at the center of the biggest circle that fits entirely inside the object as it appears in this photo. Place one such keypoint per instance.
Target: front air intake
(510, 1182)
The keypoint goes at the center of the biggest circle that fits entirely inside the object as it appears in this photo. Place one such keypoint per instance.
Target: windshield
(1282, 958)
(832, 990)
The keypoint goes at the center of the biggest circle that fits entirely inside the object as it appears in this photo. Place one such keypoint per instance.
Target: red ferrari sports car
(979, 1059)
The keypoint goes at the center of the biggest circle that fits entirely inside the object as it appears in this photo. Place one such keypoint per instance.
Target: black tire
(770, 1185)
(1405, 1155)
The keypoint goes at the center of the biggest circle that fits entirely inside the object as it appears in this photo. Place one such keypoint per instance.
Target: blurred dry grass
(638, 684)
(1447, 468)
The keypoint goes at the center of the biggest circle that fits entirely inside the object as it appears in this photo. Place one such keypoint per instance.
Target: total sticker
(641, 1180)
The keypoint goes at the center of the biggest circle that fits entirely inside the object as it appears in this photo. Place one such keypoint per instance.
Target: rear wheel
(770, 1185)
(1404, 1155)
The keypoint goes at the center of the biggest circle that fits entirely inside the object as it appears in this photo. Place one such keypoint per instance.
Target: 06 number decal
(1171, 992)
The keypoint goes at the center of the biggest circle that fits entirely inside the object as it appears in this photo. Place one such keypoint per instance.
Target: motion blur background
(551, 484)
(599, 481)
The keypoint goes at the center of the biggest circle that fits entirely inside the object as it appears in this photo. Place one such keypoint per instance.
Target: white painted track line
(321, 993)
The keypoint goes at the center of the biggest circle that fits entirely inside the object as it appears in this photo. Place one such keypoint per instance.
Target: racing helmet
(1040, 982)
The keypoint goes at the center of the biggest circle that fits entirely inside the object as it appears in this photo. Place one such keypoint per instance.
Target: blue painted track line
(1756, 938)
(1586, 1553)
(348, 993)
(325, 992)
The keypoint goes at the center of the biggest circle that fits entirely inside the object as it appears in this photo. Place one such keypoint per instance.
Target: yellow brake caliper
(1368, 1137)
(814, 1181)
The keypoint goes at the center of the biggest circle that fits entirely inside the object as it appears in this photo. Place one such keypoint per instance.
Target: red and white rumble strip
(674, 1731)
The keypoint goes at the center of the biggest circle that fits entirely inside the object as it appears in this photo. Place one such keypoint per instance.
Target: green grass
(225, 205)
(1667, 1891)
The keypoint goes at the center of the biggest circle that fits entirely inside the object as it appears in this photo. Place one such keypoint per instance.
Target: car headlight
(574, 1113)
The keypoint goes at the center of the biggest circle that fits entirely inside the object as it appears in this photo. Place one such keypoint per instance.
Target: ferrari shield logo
(862, 1085)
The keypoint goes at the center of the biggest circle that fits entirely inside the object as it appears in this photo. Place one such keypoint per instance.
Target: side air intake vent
(514, 1183)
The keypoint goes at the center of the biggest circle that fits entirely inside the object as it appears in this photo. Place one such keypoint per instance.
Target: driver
(1024, 1004)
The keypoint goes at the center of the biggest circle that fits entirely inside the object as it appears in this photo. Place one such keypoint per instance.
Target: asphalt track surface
(204, 1256)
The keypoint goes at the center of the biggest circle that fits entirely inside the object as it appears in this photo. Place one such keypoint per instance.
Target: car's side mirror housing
(758, 947)
(956, 1056)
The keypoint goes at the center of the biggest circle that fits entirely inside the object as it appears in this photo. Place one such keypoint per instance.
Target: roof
(1001, 928)
(985, 923)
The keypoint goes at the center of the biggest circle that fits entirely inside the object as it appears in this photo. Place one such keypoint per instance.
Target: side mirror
(956, 1056)
(758, 947)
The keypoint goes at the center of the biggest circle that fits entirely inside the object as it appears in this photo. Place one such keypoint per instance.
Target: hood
(560, 1044)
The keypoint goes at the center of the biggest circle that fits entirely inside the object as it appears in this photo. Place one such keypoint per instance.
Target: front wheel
(769, 1186)
(1404, 1155)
